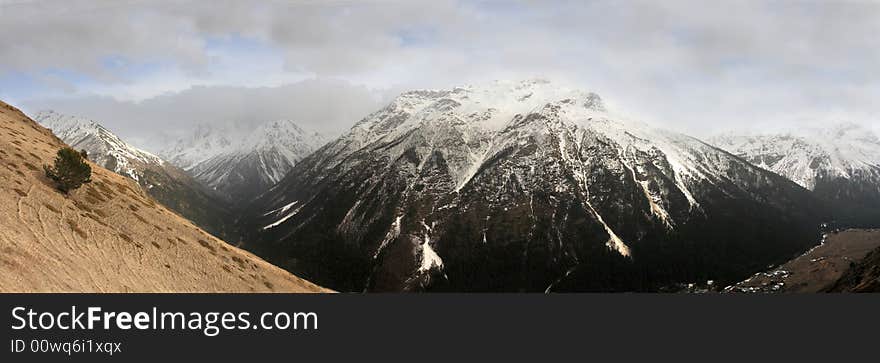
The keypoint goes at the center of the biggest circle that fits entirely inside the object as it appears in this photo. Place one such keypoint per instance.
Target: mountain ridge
(168, 184)
(839, 163)
(245, 167)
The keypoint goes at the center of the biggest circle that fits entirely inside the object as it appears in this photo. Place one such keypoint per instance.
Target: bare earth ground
(107, 236)
(817, 269)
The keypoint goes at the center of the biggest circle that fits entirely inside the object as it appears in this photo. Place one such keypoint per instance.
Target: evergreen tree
(70, 170)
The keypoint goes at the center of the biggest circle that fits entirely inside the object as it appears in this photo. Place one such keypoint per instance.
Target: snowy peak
(285, 136)
(839, 163)
(205, 141)
(104, 147)
(243, 163)
(208, 141)
(474, 114)
(486, 107)
(490, 118)
(279, 145)
(807, 155)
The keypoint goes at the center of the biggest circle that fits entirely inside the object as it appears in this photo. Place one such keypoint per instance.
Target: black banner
(458, 327)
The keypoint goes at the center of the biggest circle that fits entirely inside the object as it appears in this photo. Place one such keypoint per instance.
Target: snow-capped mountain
(104, 147)
(170, 185)
(204, 142)
(244, 166)
(524, 186)
(840, 163)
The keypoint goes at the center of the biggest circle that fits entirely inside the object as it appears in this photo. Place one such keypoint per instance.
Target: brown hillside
(837, 259)
(864, 275)
(107, 236)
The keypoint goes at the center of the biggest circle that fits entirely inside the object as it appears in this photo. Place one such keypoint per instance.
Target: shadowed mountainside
(525, 186)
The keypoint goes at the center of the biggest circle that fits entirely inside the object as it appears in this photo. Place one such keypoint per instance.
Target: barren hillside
(864, 275)
(107, 236)
(844, 257)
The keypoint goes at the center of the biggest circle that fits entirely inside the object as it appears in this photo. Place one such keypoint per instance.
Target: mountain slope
(840, 164)
(107, 236)
(244, 169)
(524, 187)
(820, 267)
(168, 184)
(862, 276)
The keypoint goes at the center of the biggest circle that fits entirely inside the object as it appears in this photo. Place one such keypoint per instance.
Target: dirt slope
(862, 276)
(107, 236)
(837, 259)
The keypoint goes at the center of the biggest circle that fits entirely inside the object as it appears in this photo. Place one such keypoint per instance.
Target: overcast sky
(694, 66)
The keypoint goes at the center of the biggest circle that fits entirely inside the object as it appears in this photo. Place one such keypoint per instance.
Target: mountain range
(840, 163)
(242, 164)
(170, 185)
(524, 186)
(508, 186)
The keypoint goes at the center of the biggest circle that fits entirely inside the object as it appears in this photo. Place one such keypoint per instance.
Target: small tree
(70, 170)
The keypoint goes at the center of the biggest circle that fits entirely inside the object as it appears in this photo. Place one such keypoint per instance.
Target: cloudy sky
(695, 66)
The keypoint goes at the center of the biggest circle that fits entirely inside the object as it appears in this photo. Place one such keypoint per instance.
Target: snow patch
(430, 258)
(393, 233)
(285, 218)
(614, 242)
(282, 209)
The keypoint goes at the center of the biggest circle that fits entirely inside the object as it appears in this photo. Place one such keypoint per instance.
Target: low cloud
(328, 106)
(691, 65)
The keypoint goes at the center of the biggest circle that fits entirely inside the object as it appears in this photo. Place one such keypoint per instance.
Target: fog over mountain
(151, 123)
(692, 66)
